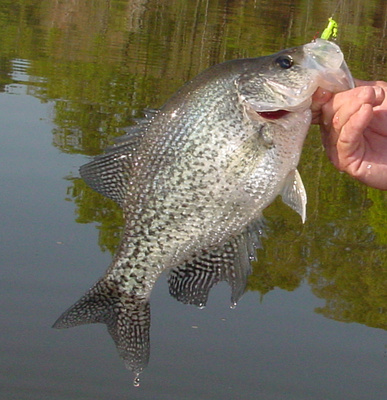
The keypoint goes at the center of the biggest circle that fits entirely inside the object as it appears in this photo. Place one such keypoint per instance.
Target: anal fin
(191, 283)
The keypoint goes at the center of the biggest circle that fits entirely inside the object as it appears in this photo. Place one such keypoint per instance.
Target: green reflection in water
(101, 63)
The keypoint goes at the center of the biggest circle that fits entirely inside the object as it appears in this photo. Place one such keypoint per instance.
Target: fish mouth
(273, 115)
(276, 114)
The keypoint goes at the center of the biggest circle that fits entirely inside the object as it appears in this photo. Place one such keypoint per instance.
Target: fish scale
(192, 170)
(193, 179)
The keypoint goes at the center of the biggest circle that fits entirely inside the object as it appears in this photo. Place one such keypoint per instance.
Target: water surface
(73, 75)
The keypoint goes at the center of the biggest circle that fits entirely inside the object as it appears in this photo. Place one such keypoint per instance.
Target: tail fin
(127, 318)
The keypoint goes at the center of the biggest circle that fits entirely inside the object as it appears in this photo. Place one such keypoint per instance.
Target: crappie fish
(193, 179)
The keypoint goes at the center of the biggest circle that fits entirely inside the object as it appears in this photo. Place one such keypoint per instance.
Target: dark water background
(73, 74)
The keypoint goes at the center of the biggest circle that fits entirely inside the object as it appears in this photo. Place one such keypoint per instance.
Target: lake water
(73, 75)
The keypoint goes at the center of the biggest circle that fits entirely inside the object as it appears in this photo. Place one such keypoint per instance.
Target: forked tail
(127, 318)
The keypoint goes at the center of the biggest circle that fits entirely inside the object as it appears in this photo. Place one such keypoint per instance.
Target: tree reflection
(102, 63)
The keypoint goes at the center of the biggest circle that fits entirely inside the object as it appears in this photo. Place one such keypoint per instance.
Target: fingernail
(379, 93)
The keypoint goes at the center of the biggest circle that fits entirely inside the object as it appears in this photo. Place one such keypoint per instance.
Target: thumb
(319, 98)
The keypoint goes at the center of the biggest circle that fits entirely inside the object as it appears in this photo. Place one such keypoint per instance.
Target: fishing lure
(331, 30)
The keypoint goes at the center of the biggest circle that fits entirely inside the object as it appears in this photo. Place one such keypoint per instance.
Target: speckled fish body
(194, 178)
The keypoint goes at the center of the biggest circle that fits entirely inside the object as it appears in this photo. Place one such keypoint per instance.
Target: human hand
(353, 125)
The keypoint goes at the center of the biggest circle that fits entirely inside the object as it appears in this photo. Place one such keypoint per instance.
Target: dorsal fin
(294, 194)
(109, 173)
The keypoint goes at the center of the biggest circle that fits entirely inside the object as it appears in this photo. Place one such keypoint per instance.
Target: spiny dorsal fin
(109, 173)
(294, 195)
(126, 316)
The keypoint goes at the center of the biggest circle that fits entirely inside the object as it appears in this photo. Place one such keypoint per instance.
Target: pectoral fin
(294, 195)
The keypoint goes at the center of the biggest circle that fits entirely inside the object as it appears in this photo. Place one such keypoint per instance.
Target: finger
(373, 96)
(379, 122)
(351, 142)
(348, 103)
(346, 148)
(359, 82)
(319, 98)
(329, 136)
(336, 114)
(344, 104)
(380, 88)
(329, 140)
(381, 84)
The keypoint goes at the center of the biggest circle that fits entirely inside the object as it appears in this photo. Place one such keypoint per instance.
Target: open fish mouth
(273, 115)
(279, 113)
(282, 112)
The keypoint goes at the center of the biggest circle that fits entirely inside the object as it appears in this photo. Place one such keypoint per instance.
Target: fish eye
(285, 62)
